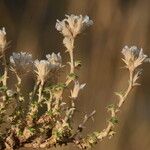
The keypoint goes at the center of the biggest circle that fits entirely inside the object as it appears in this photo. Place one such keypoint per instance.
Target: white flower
(43, 68)
(21, 58)
(133, 57)
(73, 25)
(2, 38)
(63, 28)
(21, 61)
(76, 89)
(55, 60)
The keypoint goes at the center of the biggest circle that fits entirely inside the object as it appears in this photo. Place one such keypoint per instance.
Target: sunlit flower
(55, 60)
(21, 61)
(133, 57)
(2, 38)
(76, 89)
(43, 68)
(73, 25)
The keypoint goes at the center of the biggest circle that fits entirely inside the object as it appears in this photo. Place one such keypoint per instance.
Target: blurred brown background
(30, 25)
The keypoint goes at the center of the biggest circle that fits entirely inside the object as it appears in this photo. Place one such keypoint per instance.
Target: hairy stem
(71, 56)
(49, 102)
(40, 91)
(128, 89)
(5, 71)
(18, 86)
(71, 61)
(70, 51)
(34, 90)
(5, 76)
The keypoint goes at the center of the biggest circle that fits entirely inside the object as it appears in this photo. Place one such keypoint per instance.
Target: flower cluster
(133, 57)
(21, 62)
(43, 68)
(72, 25)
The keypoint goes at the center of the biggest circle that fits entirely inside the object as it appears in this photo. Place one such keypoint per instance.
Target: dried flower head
(133, 57)
(2, 39)
(43, 68)
(55, 60)
(76, 89)
(21, 62)
(73, 25)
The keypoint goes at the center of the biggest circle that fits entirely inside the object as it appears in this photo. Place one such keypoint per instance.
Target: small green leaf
(3, 88)
(72, 76)
(59, 86)
(31, 129)
(77, 63)
(20, 133)
(114, 120)
(1, 78)
(49, 113)
(46, 90)
(34, 103)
